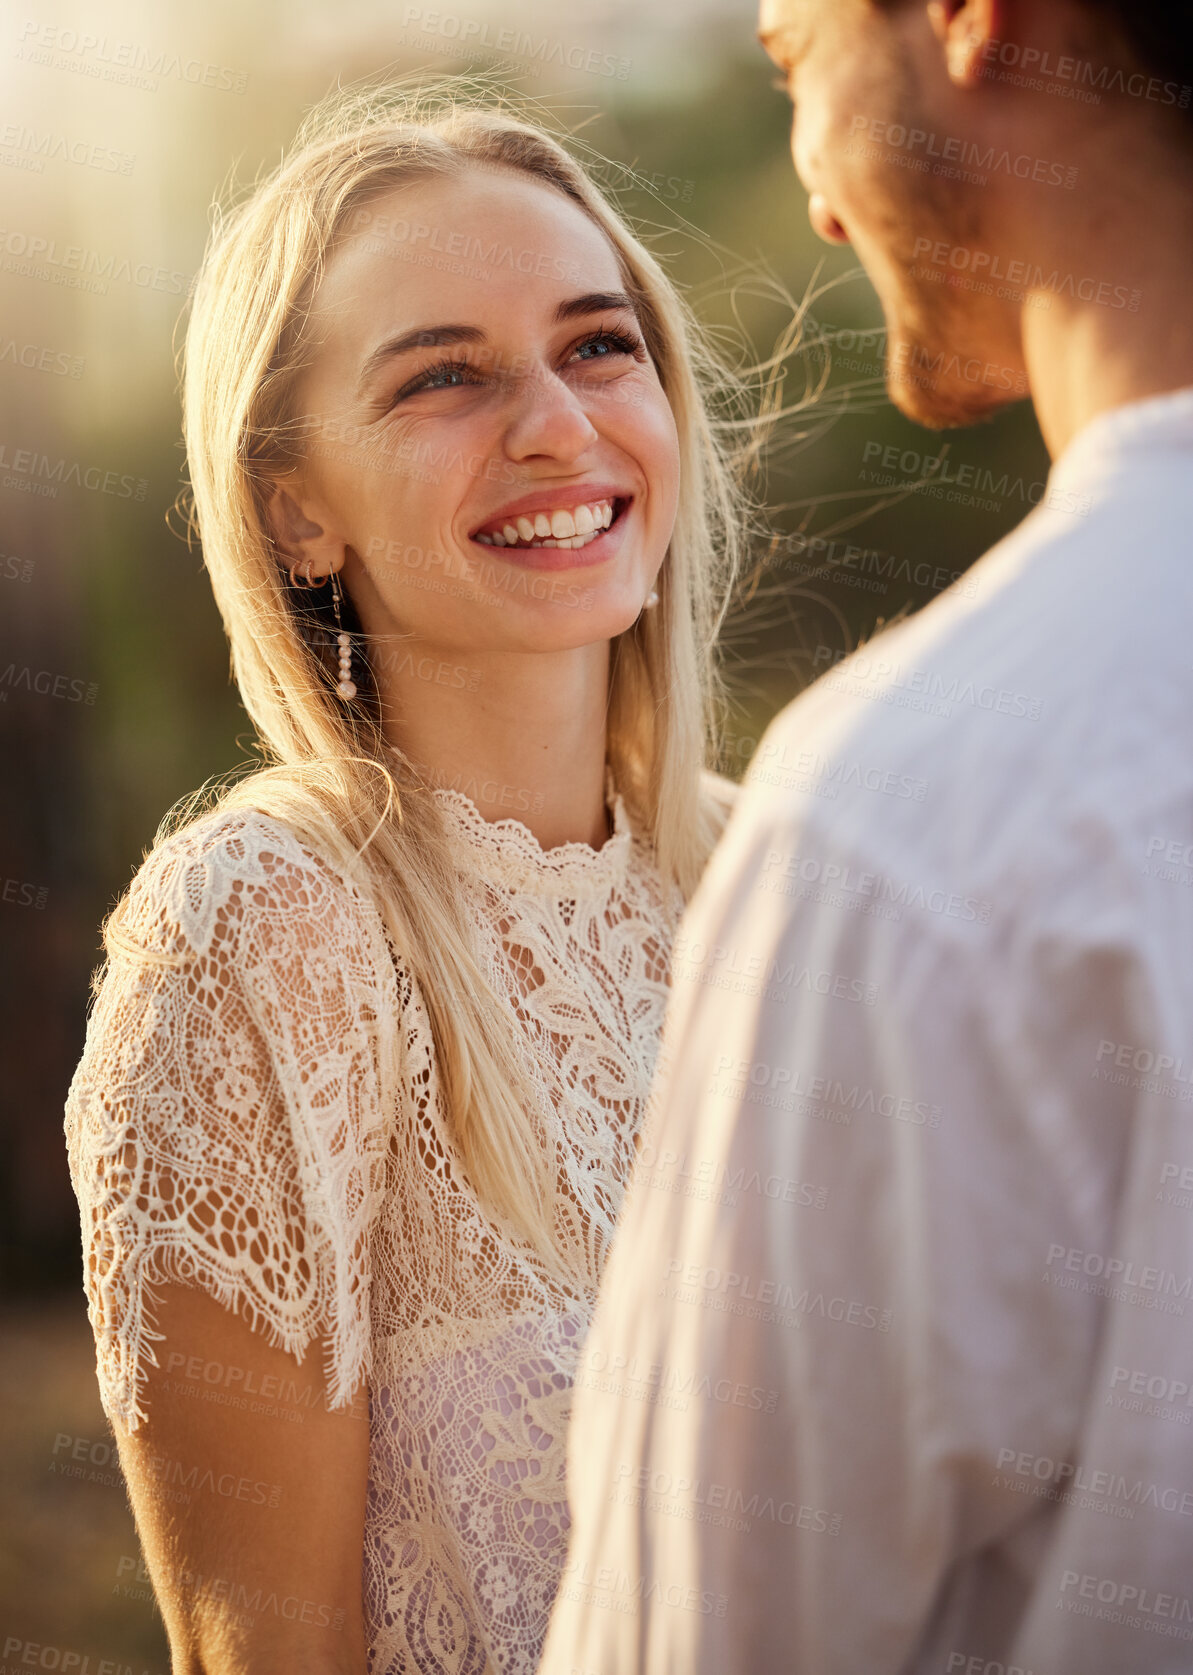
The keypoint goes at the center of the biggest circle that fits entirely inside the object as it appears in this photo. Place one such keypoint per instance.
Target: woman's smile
(531, 410)
(559, 529)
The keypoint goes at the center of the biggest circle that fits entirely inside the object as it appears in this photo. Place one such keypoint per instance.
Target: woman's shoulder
(226, 835)
(224, 868)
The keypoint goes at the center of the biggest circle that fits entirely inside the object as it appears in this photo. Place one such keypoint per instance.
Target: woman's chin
(595, 614)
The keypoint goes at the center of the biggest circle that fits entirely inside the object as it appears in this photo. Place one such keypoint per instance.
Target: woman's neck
(522, 734)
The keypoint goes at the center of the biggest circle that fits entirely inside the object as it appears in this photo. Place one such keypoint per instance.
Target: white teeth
(574, 528)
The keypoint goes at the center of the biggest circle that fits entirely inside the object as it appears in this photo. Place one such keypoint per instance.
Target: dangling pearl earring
(346, 688)
(652, 599)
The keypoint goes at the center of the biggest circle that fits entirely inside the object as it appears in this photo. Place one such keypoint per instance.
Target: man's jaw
(925, 380)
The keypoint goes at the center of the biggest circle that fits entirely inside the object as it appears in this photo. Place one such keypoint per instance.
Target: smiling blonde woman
(371, 1046)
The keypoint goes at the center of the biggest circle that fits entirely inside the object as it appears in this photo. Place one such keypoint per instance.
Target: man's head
(962, 147)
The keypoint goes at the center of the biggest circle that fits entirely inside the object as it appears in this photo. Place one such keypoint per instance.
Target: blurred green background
(120, 123)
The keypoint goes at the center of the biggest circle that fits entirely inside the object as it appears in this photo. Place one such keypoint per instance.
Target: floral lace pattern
(265, 1120)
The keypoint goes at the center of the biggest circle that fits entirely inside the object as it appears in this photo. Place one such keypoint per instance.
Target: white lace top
(265, 1121)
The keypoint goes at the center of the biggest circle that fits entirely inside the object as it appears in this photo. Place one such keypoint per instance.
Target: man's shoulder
(719, 793)
(1058, 622)
(887, 719)
(1049, 693)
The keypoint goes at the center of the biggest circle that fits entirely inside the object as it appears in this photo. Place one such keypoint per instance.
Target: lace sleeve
(226, 1123)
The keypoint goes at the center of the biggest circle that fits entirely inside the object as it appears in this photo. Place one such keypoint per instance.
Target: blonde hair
(327, 772)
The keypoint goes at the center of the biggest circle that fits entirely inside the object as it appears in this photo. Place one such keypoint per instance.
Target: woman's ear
(967, 29)
(298, 536)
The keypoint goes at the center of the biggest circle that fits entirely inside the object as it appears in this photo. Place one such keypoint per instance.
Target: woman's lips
(597, 551)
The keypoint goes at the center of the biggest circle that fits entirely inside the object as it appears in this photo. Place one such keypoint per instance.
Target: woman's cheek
(664, 437)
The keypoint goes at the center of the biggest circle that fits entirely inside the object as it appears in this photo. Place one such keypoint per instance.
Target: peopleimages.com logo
(988, 266)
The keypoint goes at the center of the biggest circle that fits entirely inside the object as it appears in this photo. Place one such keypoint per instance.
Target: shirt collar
(1156, 421)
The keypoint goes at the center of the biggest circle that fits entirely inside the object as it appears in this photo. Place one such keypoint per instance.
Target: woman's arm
(249, 1495)
(226, 1130)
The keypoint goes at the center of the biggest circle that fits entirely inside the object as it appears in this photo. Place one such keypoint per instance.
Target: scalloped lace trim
(514, 849)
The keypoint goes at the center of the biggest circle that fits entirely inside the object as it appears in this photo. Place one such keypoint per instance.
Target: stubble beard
(934, 330)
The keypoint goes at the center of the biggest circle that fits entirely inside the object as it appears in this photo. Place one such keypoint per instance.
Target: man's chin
(942, 389)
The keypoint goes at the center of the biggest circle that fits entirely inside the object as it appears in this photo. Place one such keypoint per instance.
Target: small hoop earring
(305, 581)
(346, 686)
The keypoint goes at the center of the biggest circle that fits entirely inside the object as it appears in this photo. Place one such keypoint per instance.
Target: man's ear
(298, 536)
(969, 31)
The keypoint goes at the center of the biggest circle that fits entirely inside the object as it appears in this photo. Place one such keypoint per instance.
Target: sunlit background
(118, 125)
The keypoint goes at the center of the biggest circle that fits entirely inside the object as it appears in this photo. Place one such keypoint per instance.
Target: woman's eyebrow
(435, 337)
(594, 302)
(421, 337)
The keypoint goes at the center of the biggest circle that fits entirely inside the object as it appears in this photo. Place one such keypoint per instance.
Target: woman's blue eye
(610, 341)
(454, 374)
(431, 379)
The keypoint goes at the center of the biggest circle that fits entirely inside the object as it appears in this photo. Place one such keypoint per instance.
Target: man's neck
(1112, 321)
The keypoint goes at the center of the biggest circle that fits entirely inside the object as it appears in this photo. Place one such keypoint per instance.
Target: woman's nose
(548, 419)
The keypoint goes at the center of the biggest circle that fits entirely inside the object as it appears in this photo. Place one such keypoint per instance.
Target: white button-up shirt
(893, 1365)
